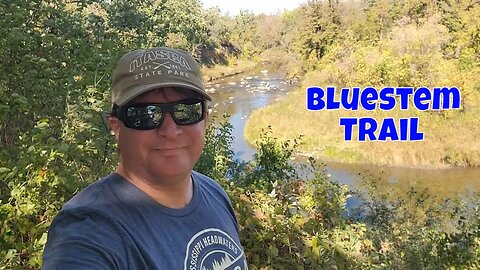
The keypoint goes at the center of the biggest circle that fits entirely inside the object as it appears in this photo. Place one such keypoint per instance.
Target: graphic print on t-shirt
(213, 249)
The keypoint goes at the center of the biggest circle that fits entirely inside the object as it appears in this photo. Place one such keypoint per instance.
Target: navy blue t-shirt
(112, 224)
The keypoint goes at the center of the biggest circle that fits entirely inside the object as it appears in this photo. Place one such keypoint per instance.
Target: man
(153, 212)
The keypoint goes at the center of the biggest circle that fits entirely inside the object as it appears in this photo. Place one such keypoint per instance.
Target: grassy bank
(277, 59)
(451, 137)
(234, 67)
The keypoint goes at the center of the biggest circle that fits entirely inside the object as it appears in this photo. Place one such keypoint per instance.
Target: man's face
(162, 154)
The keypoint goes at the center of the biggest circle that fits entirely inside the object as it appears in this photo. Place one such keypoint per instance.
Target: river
(241, 94)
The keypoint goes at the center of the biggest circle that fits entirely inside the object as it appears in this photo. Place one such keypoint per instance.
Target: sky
(256, 6)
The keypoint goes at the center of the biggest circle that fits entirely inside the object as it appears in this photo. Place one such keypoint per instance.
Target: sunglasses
(148, 116)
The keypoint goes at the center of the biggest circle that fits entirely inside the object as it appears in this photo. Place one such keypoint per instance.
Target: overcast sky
(256, 6)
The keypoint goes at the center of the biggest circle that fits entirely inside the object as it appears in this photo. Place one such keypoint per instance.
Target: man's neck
(176, 193)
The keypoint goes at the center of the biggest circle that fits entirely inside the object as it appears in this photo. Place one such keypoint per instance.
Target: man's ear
(114, 126)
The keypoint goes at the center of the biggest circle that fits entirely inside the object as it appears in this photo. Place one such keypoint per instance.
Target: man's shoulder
(96, 195)
(84, 233)
(93, 202)
(207, 182)
(210, 187)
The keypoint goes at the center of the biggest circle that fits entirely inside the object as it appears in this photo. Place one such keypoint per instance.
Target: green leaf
(43, 240)
(63, 148)
(273, 251)
(10, 175)
(10, 254)
(42, 125)
(314, 242)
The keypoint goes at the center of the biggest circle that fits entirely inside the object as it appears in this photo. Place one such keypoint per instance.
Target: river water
(241, 94)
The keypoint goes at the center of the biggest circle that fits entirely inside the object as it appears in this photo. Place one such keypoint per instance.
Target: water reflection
(239, 96)
(441, 182)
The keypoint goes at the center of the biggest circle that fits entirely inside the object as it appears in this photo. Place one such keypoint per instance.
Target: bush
(289, 223)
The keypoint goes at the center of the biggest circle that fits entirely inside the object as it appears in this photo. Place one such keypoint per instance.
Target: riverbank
(240, 95)
(451, 137)
(235, 66)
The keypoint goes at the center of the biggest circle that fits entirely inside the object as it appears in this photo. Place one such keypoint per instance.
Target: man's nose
(169, 129)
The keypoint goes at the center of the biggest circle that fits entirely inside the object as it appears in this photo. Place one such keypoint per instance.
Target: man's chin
(172, 169)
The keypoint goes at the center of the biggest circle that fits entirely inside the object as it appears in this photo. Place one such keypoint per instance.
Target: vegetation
(235, 66)
(57, 56)
(287, 223)
(385, 43)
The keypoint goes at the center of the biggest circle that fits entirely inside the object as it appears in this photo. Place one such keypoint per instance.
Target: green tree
(320, 26)
(178, 24)
(244, 33)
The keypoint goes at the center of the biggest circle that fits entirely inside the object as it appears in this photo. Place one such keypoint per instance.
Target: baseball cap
(143, 70)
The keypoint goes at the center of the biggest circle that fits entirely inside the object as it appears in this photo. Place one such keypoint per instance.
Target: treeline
(385, 43)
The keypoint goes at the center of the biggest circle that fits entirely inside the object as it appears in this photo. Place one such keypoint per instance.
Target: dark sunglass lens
(188, 113)
(145, 117)
(150, 116)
